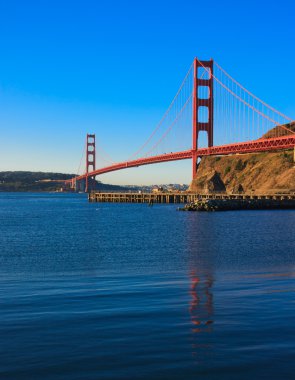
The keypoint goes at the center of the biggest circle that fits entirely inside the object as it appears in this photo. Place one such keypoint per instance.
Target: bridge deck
(261, 145)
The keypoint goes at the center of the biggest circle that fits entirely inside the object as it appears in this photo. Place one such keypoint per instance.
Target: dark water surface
(126, 291)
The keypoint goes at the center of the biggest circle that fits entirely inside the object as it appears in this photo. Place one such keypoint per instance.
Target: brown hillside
(265, 172)
(280, 130)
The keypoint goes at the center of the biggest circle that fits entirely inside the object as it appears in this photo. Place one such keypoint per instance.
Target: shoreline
(212, 205)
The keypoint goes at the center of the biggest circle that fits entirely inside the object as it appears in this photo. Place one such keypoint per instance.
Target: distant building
(158, 189)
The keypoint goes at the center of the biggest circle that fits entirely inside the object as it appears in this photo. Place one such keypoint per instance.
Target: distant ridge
(27, 181)
(279, 130)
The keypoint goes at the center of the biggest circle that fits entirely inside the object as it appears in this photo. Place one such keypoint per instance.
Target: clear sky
(68, 67)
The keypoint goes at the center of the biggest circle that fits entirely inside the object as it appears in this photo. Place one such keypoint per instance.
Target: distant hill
(43, 181)
(283, 130)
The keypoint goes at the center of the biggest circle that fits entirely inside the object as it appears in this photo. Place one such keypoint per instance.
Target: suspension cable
(254, 96)
(246, 103)
(164, 116)
(171, 125)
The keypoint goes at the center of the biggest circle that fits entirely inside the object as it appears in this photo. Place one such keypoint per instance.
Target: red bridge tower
(202, 105)
(90, 158)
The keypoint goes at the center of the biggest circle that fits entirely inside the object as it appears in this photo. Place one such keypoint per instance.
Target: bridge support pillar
(202, 105)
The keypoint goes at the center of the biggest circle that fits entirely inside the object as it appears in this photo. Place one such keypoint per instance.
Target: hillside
(40, 181)
(283, 130)
(265, 172)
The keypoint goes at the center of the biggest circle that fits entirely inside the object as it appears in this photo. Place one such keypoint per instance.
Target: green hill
(42, 181)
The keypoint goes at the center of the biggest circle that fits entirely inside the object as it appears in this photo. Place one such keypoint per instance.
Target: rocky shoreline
(239, 204)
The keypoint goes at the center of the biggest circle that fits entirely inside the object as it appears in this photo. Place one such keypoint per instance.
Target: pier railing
(177, 197)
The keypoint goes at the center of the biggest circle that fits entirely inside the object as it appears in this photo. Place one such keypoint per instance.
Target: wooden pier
(177, 197)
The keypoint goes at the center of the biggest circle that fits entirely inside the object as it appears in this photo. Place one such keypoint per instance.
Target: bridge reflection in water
(201, 249)
(202, 315)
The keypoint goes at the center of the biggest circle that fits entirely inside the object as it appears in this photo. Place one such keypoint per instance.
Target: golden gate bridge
(210, 108)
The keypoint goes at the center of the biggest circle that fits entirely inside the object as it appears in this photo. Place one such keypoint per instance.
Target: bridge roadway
(260, 145)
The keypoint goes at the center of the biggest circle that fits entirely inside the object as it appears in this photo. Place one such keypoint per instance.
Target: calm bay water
(126, 291)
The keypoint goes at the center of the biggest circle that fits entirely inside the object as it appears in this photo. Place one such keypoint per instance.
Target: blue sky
(112, 68)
